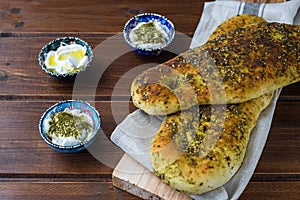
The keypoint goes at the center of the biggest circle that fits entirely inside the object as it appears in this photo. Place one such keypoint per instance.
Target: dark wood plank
(272, 190)
(103, 16)
(22, 151)
(283, 138)
(49, 190)
(22, 78)
(290, 92)
(29, 169)
(23, 190)
(93, 15)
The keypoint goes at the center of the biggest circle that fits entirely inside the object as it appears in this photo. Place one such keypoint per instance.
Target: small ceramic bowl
(166, 25)
(70, 104)
(54, 45)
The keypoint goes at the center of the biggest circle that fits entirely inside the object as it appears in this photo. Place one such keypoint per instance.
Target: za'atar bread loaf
(200, 149)
(234, 67)
(234, 22)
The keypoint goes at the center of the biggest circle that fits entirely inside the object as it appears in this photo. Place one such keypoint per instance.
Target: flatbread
(234, 67)
(200, 149)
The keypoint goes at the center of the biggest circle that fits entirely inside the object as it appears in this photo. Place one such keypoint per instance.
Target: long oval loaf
(232, 68)
(200, 149)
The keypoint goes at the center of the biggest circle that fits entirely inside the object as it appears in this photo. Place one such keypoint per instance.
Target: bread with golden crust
(234, 67)
(200, 149)
(235, 22)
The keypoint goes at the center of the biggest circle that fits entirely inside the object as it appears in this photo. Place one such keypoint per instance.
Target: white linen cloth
(134, 135)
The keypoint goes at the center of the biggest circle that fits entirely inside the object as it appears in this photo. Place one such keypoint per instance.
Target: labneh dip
(148, 35)
(69, 127)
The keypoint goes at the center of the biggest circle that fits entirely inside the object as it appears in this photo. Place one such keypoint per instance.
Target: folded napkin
(134, 135)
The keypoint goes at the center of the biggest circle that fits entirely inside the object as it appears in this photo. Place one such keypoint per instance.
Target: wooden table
(29, 169)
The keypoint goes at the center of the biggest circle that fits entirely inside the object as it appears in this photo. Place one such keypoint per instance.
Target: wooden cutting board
(132, 177)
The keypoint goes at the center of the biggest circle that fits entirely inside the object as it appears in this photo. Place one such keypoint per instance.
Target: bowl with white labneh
(69, 126)
(65, 57)
(148, 33)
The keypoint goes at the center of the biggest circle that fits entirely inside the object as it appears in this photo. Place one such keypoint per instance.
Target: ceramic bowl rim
(72, 147)
(70, 38)
(125, 33)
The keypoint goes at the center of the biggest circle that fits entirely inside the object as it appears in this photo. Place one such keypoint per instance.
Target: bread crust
(235, 22)
(196, 151)
(200, 149)
(234, 67)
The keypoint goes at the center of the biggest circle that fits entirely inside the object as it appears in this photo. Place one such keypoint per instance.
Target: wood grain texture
(103, 16)
(49, 190)
(135, 179)
(23, 152)
(91, 16)
(132, 177)
(29, 169)
(272, 190)
(22, 78)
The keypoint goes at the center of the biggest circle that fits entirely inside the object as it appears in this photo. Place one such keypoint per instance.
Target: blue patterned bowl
(54, 45)
(70, 104)
(167, 26)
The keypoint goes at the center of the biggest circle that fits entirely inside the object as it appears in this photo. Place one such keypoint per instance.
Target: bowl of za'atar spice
(69, 126)
(148, 33)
